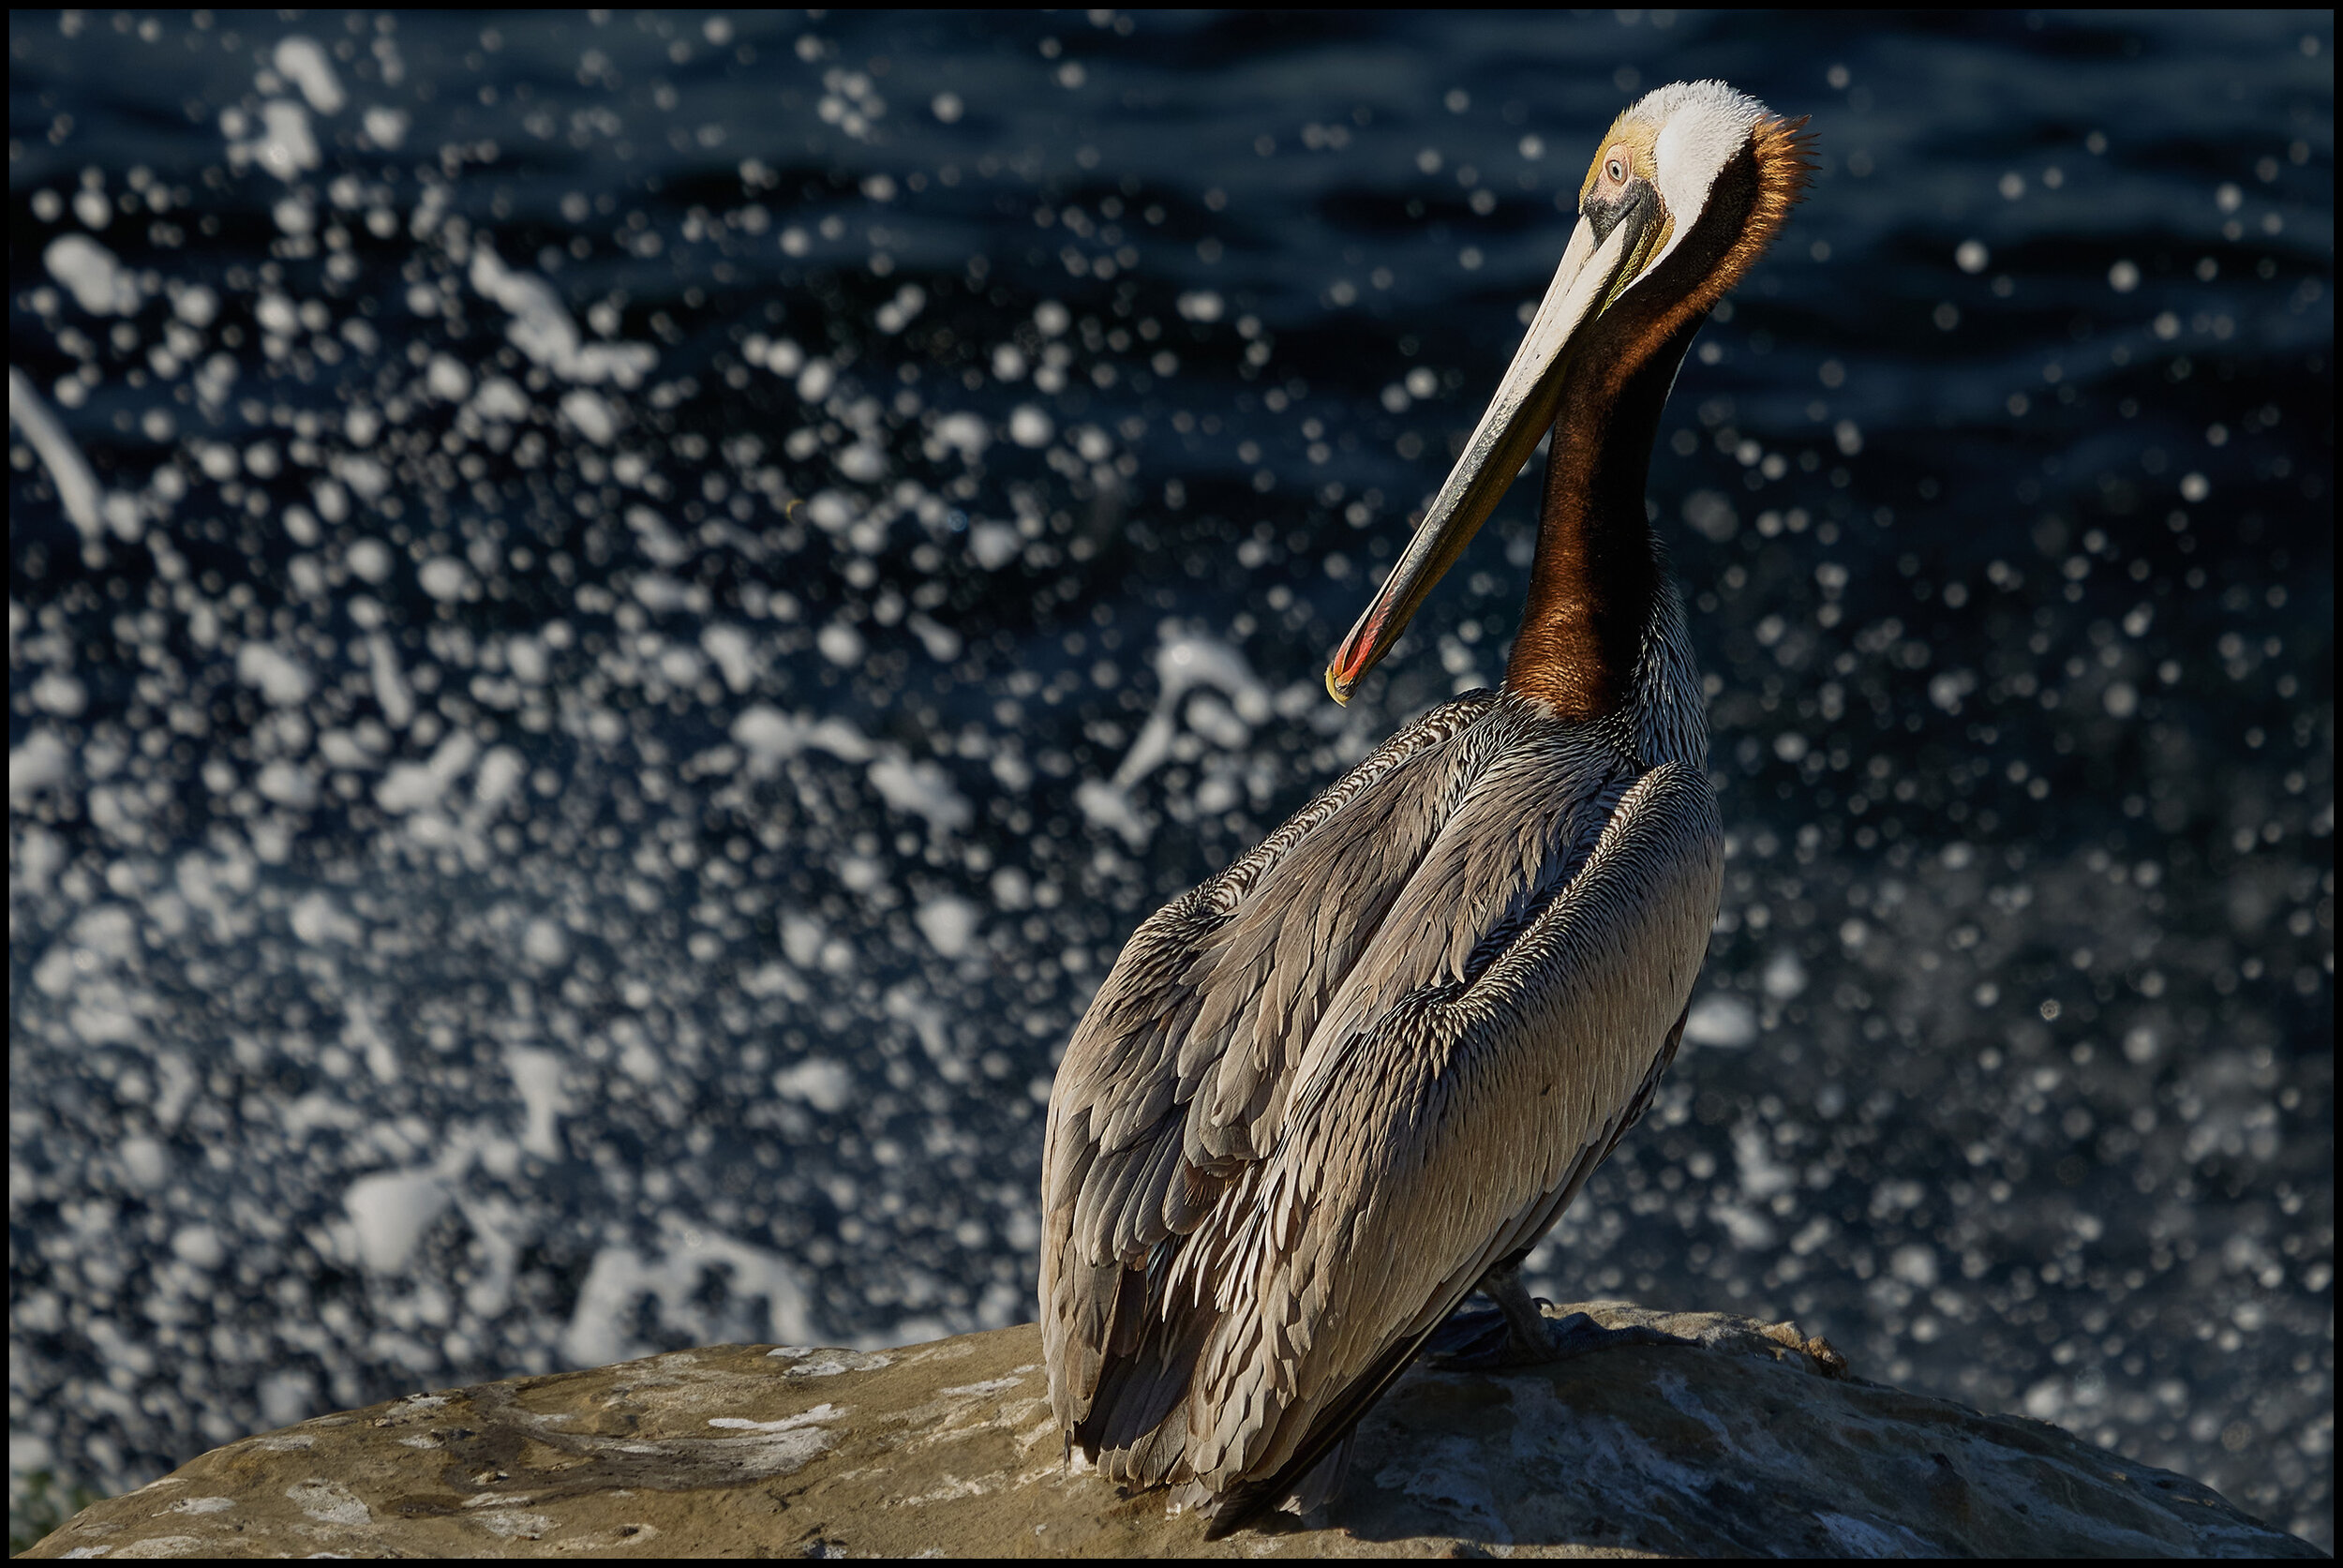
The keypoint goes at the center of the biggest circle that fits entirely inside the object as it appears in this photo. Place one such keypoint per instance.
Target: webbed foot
(1515, 1332)
(1472, 1340)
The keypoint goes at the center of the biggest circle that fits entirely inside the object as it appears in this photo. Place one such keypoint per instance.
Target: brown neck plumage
(1596, 578)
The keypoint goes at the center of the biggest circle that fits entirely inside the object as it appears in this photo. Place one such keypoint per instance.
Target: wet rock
(1753, 1441)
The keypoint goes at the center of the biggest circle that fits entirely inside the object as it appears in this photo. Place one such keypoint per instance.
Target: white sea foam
(770, 736)
(921, 789)
(305, 63)
(817, 1081)
(77, 487)
(1727, 1023)
(537, 1078)
(95, 279)
(542, 329)
(1185, 660)
(674, 1272)
(390, 1212)
(948, 923)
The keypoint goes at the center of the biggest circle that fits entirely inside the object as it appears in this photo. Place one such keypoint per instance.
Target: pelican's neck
(1596, 580)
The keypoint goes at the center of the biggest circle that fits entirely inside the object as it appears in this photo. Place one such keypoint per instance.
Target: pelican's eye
(1616, 173)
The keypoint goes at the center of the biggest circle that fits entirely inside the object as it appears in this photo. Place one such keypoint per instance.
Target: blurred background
(611, 621)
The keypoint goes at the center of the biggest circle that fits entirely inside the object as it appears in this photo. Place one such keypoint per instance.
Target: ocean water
(611, 621)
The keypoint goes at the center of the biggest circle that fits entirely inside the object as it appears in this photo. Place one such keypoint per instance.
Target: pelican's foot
(1485, 1341)
(1472, 1341)
(1515, 1332)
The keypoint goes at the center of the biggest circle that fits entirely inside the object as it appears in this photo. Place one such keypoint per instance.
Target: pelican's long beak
(1509, 432)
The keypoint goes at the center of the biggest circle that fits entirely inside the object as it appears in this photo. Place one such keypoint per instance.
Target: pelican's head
(1686, 190)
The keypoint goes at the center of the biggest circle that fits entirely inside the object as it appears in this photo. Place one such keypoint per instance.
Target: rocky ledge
(1753, 1442)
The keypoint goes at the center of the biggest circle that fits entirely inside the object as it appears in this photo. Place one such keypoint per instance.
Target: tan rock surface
(1754, 1442)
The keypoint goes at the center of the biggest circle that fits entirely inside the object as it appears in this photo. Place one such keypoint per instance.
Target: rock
(1753, 1442)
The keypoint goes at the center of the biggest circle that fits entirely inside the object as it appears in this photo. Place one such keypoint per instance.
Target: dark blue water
(610, 624)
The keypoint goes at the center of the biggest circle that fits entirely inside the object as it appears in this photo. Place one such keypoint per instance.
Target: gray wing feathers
(1317, 1097)
(1176, 1067)
(1454, 1122)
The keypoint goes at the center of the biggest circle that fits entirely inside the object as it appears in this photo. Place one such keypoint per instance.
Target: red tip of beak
(1351, 658)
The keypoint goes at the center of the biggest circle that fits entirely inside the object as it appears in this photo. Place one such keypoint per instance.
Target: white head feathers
(1699, 125)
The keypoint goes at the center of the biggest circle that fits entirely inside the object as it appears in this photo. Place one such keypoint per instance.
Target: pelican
(1331, 1092)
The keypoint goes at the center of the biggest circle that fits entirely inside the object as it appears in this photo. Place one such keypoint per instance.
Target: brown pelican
(1354, 1077)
